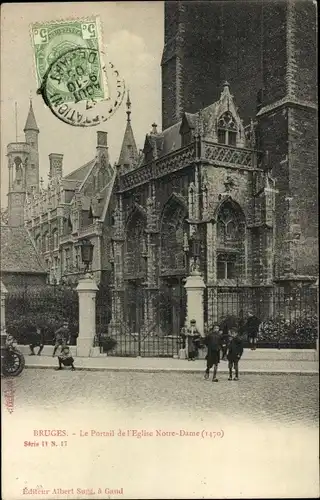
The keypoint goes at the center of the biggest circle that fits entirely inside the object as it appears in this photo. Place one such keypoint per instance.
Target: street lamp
(86, 253)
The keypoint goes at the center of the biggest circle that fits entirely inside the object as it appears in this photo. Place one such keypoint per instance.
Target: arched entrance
(173, 266)
(135, 270)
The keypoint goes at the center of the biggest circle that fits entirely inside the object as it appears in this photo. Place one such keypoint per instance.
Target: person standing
(61, 336)
(37, 340)
(213, 343)
(251, 327)
(235, 352)
(192, 340)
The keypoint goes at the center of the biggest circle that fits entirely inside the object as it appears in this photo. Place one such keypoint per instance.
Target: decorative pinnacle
(154, 128)
(128, 106)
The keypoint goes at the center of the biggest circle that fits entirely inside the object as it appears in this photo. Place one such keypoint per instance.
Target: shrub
(45, 308)
(301, 330)
(107, 343)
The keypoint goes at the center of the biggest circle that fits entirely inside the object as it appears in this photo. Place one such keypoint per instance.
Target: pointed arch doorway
(173, 266)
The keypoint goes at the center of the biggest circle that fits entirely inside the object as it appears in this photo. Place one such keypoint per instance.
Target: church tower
(23, 164)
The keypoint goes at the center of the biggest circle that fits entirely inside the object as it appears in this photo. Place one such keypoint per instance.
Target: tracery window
(173, 228)
(55, 239)
(135, 263)
(46, 242)
(231, 236)
(227, 129)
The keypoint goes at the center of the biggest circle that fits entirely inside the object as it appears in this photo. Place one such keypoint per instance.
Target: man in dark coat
(213, 343)
(235, 352)
(37, 340)
(252, 328)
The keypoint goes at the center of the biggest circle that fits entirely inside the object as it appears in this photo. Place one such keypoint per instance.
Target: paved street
(266, 433)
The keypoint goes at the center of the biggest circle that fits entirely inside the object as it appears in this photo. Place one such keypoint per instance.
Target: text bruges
(49, 432)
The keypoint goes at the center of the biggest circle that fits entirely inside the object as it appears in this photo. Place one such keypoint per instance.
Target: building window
(67, 259)
(46, 242)
(77, 258)
(227, 130)
(55, 240)
(227, 266)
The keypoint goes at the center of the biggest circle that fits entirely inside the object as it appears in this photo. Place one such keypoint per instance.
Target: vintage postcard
(159, 250)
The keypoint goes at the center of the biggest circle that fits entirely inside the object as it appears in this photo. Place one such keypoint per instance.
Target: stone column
(195, 287)
(87, 289)
(4, 292)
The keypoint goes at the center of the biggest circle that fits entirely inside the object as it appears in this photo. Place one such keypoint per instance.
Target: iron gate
(148, 321)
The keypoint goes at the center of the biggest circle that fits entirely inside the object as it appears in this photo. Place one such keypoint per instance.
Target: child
(212, 341)
(65, 358)
(61, 336)
(235, 352)
(192, 340)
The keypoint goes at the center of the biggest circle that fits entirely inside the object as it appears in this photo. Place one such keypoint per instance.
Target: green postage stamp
(78, 74)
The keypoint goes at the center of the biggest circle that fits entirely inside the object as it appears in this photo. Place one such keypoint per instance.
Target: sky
(133, 36)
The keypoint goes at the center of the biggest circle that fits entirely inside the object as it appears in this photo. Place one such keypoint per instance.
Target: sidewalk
(176, 365)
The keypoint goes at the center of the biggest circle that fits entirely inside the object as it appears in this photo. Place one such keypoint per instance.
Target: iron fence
(288, 316)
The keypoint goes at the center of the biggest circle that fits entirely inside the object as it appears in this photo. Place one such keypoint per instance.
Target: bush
(298, 331)
(45, 308)
(107, 343)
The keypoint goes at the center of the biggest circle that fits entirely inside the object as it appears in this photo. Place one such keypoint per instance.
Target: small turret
(129, 151)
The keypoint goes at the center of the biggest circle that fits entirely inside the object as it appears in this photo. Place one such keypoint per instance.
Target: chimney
(55, 160)
(102, 139)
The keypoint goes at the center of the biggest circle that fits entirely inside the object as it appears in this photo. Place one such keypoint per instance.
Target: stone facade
(68, 210)
(204, 178)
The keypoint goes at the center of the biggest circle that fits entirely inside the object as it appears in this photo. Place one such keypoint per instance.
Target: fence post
(195, 289)
(87, 289)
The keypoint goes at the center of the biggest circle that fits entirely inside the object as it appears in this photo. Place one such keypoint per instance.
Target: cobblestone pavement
(291, 398)
(268, 427)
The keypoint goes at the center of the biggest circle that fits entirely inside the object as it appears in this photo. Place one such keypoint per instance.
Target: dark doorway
(134, 305)
(172, 305)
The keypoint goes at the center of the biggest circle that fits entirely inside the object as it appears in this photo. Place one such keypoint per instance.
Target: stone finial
(154, 130)
(128, 104)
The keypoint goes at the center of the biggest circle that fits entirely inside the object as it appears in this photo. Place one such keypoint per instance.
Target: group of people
(221, 342)
(61, 342)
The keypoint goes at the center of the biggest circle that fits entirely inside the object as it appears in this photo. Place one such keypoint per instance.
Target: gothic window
(77, 258)
(227, 130)
(38, 243)
(173, 229)
(67, 259)
(227, 266)
(135, 246)
(230, 225)
(55, 239)
(18, 165)
(46, 242)
(230, 241)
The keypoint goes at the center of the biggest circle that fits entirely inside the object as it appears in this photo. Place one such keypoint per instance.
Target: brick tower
(23, 164)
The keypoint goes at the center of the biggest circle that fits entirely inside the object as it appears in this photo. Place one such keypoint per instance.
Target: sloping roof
(171, 139)
(31, 123)
(18, 252)
(80, 173)
(129, 149)
(191, 119)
